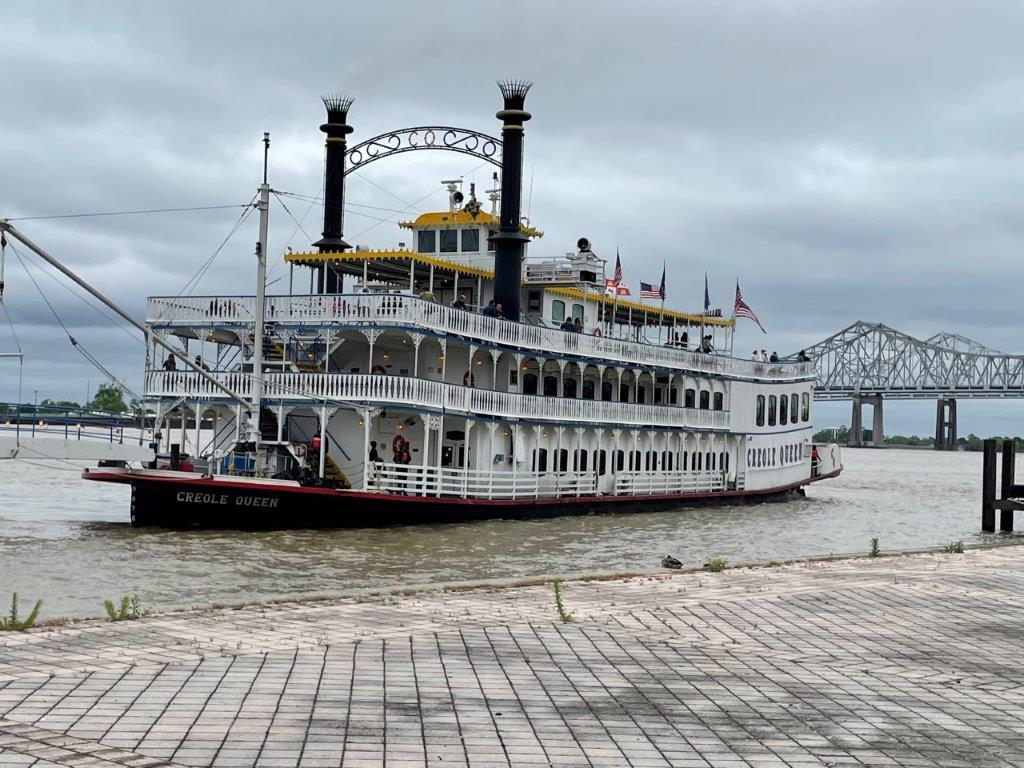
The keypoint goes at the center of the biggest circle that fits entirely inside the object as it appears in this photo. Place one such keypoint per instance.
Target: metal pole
(6, 226)
(261, 300)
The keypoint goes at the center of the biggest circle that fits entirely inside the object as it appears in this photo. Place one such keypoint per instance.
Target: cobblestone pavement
(910, 661)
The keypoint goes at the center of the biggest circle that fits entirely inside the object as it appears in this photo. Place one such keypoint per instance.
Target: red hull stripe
(204, 482)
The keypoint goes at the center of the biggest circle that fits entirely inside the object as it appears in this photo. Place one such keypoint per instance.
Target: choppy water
(69, 542)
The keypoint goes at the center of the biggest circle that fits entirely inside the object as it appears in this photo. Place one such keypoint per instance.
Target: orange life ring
(468, 379)
(379, 369)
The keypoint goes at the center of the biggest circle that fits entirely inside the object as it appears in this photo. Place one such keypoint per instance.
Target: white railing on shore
(410, 311)
(438, 395)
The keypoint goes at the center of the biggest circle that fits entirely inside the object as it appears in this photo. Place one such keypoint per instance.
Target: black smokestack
(509, 242)
(336, 128)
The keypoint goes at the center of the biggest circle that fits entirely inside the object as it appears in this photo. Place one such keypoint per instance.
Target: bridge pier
(945, 424)
(857, 421)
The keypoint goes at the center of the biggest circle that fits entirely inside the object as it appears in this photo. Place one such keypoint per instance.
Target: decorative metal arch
(474, 143)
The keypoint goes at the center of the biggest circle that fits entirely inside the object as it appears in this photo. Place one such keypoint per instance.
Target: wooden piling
(988, 486)
(1007, 490)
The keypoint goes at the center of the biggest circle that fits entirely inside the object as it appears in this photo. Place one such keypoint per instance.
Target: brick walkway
(912, 661)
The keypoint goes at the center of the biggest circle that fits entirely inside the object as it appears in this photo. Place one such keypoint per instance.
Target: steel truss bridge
(869, 362)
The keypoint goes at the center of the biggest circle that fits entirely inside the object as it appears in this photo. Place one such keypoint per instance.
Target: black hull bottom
(183, 503)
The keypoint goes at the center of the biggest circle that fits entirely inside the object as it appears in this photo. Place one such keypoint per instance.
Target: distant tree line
(972, 442)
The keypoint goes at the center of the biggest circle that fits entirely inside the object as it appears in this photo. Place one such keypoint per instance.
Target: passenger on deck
(373, 456)
(460, 303)
(802, 357)
(706, 345)
(774, 358)
(170, 364)
(567, 325)
(489, 310)
(200, 364)
(578, 326)
(498, 311)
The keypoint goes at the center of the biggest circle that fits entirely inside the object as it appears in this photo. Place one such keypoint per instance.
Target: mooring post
(1006, 484)
(988, 486)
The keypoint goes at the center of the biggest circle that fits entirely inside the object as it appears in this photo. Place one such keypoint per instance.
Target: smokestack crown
(514, 92)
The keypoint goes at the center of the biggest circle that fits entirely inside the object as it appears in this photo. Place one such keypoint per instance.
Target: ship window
(634, 462)
(783, 411)
(772, 408)
(550, 386)
(641, 395)
(562, 462)
(725, 461)
(619, 460)
(690, 400)
(666, 460)
(588, 390)
(471, 240)
(696, 460)
(805, 414)
(540, 459)
(719, 401)
(577, 312)
(606, 391)
(490, 243)
(657, 395)
(673, 396)
(705, 400)
(760, 410)
(530, 384)
(558, 310)
(426, 240)
(602, 461)
(580, 461)
(686, 460)
(794, 407)
(449, 240)
(650, 461)
(624, 393)
(533, 301)
(569, 388)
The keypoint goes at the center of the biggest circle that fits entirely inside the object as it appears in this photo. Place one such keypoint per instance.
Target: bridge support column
(856, 426)
(945, 424)
(877, 432)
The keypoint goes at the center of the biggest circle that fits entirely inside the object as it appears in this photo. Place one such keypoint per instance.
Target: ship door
(453, 449)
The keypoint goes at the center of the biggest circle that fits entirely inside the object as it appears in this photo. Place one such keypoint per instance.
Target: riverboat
(455, 377)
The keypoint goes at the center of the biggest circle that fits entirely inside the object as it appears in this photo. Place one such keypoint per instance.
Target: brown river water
(68, 541)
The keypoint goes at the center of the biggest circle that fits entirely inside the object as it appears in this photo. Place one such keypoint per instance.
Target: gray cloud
(845, 160)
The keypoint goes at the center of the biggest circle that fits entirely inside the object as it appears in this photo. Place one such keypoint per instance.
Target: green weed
(129, 610)
(874, 551)
(564, 615)
(715, 564)
(11, 622)
(954, 548)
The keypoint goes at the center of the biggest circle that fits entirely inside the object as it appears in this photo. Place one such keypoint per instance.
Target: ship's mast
(261, 291)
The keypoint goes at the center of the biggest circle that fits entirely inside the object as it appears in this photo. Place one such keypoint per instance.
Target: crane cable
(74, 342)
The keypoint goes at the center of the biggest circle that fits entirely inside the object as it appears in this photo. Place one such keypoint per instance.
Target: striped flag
(618, 269)
(707, 296)
(649, 291)
(742, 310)
(611, 289)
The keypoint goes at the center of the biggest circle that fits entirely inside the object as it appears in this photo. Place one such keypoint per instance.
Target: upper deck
(393, 310)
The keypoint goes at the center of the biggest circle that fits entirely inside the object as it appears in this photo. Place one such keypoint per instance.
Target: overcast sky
(846, 160)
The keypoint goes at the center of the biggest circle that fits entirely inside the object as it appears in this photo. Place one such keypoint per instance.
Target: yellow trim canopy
(462, 219)
(608, 301)
(314, 259)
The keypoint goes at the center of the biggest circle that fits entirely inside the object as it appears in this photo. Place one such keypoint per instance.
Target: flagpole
(615, 297)
(732, 335)
(704, 314)
(661, 288)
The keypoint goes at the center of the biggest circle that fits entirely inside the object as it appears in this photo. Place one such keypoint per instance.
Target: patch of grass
(11, 622)
(874, 551)
(563, 614)
(954, 548)
(129, 609)
(715, 565)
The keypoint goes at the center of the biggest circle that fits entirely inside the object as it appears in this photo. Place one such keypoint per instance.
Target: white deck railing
(644, 483)
(410, 311)
(438, 395)
(478, 484)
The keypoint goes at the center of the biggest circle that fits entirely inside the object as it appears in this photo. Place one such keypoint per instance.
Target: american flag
(618, 269)
(742, 310)
(649, 291)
